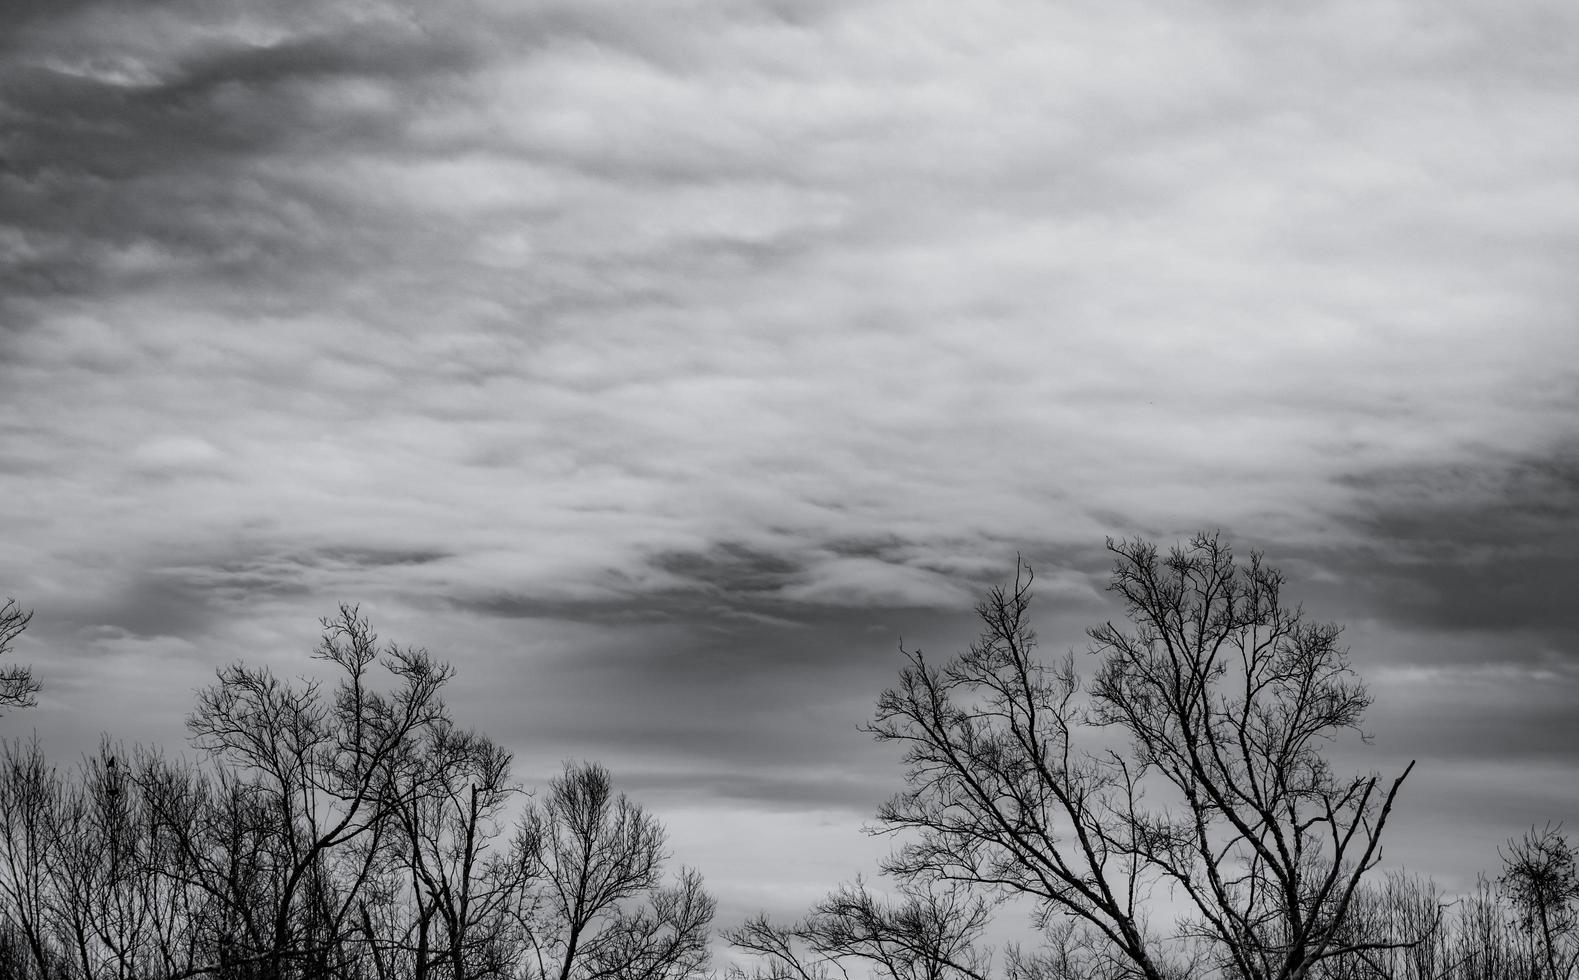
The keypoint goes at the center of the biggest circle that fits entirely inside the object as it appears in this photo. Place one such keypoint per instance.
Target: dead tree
(1019, 783)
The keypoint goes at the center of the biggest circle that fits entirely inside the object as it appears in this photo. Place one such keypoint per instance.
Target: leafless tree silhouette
(596, 906)
(18, 687)
(339, 830)
(1541, 879)
(930, 934)
(450, 794)
(321, 766)
(1020, 784)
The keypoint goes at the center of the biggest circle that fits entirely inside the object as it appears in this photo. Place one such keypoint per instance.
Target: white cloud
(883, 290)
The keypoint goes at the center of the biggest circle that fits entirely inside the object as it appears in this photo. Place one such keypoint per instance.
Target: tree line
(344, 831)
(1168, 812)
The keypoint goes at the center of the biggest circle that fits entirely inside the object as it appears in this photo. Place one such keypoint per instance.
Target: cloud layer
(663, 364)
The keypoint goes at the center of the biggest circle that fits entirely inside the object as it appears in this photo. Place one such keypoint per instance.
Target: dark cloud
(664, 365)
(1515, 716)
(117, 183)
(373, 557)
(153, 605)
(1485, 547)
(852, 790)
(732, 586)
(16, 17)
(172, 595)
(733, 569)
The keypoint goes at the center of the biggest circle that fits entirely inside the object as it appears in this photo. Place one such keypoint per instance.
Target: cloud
(1481, 547)
(665, 365)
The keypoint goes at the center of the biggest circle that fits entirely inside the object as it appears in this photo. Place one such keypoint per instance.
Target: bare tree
(187, 903)
(927, 934)
(450, 795)
(1397, 930)
(18, 688)
(1223, 795)
(595, 906)
(30, 801)
(345, 828)
(1541, 880)
(102, 902)
(320, 766)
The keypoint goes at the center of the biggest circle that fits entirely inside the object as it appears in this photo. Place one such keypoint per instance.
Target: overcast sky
(664, 364)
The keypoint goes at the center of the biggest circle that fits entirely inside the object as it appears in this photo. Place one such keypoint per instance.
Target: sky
(664, 366)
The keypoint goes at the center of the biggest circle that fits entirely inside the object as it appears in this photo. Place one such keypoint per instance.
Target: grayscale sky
(663, 364)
